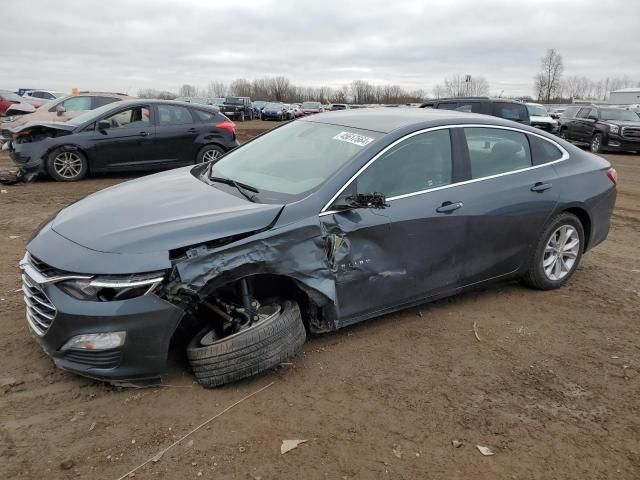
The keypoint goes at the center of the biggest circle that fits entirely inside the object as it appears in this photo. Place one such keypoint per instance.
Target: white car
(46, 95)
(540, 117)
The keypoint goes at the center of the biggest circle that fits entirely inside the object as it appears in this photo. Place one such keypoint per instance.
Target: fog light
(95, 341)
(613, 143)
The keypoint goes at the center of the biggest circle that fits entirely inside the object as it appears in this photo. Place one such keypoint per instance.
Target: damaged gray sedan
(318, 224)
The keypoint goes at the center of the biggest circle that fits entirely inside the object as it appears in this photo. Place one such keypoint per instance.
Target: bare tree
(549, 81)
(241, 87)
(216, 90)
(187, 90)
(465, 86)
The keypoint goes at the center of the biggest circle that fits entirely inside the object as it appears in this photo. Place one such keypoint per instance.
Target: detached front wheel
(275, 337)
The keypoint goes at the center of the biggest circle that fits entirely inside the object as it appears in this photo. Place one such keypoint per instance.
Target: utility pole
(467, 81)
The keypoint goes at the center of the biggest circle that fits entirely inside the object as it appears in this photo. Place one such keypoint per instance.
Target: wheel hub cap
(561, 252)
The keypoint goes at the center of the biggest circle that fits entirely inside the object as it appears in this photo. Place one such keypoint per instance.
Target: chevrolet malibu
(321, 223)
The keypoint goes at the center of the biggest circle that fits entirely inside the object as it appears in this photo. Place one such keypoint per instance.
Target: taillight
(613, 175)
(227, 125)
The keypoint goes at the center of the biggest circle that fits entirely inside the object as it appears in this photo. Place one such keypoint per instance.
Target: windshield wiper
(241, 187)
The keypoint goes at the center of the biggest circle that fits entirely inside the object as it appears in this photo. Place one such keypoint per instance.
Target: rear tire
(67, 165)
(541, 273)
(242, 116)
(248, 352)
(209, 153)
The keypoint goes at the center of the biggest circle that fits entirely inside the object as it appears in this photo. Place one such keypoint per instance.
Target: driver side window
(419, 163)
(130, 118)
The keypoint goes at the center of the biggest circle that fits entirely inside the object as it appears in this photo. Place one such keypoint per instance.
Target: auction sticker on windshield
(354, 138)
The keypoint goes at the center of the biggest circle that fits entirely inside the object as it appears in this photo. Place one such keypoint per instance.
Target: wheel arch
(585, 219)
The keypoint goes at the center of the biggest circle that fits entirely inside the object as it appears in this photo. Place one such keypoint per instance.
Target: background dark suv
(497, 107)
(603, 128)
(237, 108)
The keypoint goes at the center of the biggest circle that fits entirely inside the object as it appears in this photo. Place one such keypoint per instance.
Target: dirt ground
(552, 387)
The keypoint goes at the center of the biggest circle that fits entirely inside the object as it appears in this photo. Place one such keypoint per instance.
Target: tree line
(551, 87)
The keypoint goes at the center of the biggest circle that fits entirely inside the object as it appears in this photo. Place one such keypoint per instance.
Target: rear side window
(204, 116)
(173, 115)
(469, 107)
(100, 101)
(543, 151)
(419, 163)
(511, 111)
(448, 105)
(493, 151)
(75, 104)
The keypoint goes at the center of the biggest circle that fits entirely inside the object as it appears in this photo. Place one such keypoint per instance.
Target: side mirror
(104, 125)
(60, 110)
(374, 200)
(592, 117)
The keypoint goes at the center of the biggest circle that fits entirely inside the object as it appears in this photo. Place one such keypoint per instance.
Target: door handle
(143, 134)
(192, 130)
(448, 207)
(540, 187)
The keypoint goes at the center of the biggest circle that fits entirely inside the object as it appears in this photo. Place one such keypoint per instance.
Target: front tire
(557, 253)
(67, 165)
(242, 116)
(596, 143)
(264, 345)
(209, 153)
(563, 134)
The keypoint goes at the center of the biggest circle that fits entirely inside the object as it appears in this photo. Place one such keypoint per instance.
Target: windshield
(619, 114)
(234, 101)
(273, 106)
(537, 111)
(90, 115)
(311, 105)
(292, 160)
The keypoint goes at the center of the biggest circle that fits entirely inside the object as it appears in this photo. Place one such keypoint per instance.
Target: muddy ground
(552, 387)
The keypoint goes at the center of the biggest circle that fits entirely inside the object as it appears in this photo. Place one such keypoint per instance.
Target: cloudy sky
(128, 45)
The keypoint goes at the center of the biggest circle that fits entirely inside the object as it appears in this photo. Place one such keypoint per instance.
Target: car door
(507, 200)
(411, 249)
(176, 133)
(128, 143)
(578, 126)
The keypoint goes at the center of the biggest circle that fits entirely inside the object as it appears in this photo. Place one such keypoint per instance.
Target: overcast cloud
(120, 45)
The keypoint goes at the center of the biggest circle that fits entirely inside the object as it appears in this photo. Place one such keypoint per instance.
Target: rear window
(100, 101)
(543, 151)
(511, 111)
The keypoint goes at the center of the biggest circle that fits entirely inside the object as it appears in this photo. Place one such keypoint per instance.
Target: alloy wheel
(561, 252)
(595, 144)
(211, 155)
(68, 165)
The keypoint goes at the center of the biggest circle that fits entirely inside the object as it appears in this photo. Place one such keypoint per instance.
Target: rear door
(578, 127)
(176, 133)
(413, 248)
(507, 201)
(128, 143)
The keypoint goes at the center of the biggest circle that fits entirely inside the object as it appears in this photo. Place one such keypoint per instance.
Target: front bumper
(27, 156)
(149, 323)
(148, 320)
(617, 143)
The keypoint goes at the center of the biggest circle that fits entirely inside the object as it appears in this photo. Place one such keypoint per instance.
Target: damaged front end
(29, 144)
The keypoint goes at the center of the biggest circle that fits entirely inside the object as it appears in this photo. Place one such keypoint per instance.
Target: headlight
(107, 288)
(613, 128)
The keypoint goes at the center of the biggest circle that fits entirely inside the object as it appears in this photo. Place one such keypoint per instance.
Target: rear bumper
(601, 213)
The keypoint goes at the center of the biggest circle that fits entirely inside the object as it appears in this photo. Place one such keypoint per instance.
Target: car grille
(40, 310)
(95, 358)
(632, 133)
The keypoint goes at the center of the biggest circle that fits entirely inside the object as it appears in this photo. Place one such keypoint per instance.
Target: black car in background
(127, 135)
(237, 108)
(604, 129)
(497, 107)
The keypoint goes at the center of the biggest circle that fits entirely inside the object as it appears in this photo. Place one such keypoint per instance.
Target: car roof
(385, 120)
(155, 101)
(490, 99)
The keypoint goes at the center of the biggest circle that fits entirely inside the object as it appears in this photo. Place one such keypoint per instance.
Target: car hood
(623, 123)
(41, 115)
(160, 212)
(55, 125)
